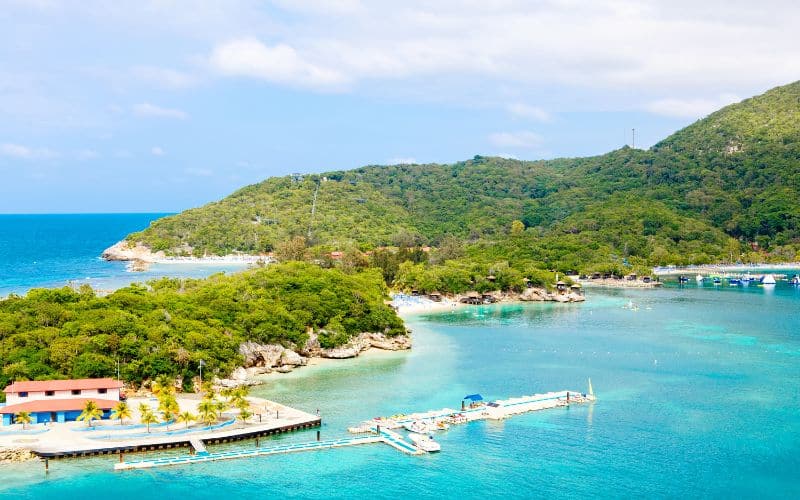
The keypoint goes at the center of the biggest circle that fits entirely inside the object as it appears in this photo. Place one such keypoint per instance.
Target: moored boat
(768, 280)
(425, 442)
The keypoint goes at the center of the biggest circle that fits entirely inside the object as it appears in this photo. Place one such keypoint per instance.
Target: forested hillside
(704, 194)
(170, 325)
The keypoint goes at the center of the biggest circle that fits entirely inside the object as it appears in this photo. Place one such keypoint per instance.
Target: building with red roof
(58, 400)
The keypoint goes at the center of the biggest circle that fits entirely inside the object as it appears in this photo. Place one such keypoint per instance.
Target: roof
(41, 405)
(63, 385)
(474, 397)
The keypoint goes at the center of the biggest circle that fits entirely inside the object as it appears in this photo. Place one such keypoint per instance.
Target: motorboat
(419, 427)
(425, 442)
(795, 279)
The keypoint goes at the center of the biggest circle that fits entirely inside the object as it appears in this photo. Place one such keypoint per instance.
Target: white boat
(419, 427)
(768, 280)
(425, 442)
(699, 278)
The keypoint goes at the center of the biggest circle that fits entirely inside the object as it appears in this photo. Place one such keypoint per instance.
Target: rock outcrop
(125, 251)
(15, 455)
(266, 358)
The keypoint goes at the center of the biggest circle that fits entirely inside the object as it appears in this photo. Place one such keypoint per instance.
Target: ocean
(58, 250)
(698, 396)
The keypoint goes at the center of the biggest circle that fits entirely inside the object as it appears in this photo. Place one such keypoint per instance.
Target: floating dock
(391, 438)
(380, 430)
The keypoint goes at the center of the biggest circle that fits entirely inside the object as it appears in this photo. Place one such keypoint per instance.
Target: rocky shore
(15, 455)
(260, 359)
(125, 251)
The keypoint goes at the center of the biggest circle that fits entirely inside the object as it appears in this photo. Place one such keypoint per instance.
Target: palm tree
(90, 412)
(162, 385)
(121, 412)
(148, 417)
(24, 418)
(244, 411)
(209, 411)
(168, 406)
(186, 417)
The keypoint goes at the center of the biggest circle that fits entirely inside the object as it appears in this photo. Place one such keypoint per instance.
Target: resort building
(59, 400)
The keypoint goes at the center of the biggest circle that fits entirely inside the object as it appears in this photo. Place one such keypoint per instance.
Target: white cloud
(147, 110)
(647, 46)
(523, 139)
(402, 161)
(26, 153)
(164, 77)
(157, 151)
(279, 63)
(530, 112)
(199, 172)
(690, 108)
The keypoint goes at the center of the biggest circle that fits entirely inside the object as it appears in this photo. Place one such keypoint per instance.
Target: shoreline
(710, 268)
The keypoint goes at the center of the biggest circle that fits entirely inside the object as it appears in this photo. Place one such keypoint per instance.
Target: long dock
(156, 443)
(391, 438)
(380, 430)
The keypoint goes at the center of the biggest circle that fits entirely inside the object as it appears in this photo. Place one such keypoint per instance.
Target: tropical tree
(90, 412)
(209, 411)
(24, 418)
(168, 406)
(186, 417)
(148, 418)
(121, 412)
(162, 385)
(244, 411)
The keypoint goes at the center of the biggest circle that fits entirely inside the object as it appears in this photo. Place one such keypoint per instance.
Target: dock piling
(317, 435)
(46, 465)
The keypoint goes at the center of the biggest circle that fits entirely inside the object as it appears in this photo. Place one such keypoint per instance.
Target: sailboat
(768, 280)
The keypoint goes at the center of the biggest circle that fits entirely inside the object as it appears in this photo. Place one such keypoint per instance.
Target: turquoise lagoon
(699, 396)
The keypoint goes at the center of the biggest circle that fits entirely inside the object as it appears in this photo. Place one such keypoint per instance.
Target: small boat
(699, 278)
(717, 281)
(768, 280)
(734, 281)
(795, 280)
(425, 442)
(419, 427)
(683, 279)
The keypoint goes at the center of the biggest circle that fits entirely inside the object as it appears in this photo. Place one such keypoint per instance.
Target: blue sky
(165, 105)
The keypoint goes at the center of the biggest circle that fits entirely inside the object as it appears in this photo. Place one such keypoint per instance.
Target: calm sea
(698, 396)
(53, 250)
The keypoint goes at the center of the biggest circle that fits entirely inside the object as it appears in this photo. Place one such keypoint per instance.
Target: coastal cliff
(260, 359)
(124, 251)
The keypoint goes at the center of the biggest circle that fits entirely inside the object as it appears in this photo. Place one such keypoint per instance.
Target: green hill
(702, 194)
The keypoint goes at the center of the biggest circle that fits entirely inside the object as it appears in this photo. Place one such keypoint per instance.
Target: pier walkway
(379, 430)
(391, 438)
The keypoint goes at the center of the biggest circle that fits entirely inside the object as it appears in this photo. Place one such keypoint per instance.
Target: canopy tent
(474, 397)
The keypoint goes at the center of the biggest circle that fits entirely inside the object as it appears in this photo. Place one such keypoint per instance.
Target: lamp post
(202, 363)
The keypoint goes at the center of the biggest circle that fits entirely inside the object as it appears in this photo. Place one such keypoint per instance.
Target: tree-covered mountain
(703, 194)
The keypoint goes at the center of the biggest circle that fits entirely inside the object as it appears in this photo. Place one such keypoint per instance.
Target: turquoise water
(698, 397)
(52, 250)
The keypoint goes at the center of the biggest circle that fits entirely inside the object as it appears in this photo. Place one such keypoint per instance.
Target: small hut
(473, 298)
(435, 296)
(576, 288)
(561, 286)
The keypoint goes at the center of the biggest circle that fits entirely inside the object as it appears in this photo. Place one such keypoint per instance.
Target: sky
(159, 105)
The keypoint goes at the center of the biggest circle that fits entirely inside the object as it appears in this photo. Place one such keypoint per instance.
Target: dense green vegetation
(706, 193)
(170, 325)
